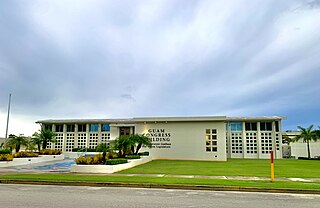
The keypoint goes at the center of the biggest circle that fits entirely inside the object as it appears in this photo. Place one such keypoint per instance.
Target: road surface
(36, 196)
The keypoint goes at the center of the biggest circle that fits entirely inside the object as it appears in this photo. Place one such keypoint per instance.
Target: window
(236, 142)
(251, 126)
(105, 127)
(251, 147)
(265, 126)
(211, 140)
(82, 127)
(236, 126)
(277, 126)
(93, 127)
(70, 128)
(266, 142)
(59, 128)
(48, 127)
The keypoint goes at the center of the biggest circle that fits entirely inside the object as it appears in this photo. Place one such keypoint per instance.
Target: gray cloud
(118, 59)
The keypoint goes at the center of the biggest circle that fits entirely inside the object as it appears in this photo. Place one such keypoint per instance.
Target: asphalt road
(92, 197)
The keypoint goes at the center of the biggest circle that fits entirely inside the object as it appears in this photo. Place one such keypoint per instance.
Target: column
(64, 141)
(259, 150)
(54, 130)
(87, 135)
(99, 134)
(244, 140)
(75, 135)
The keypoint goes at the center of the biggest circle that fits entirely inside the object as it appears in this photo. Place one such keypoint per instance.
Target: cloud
(103, 59)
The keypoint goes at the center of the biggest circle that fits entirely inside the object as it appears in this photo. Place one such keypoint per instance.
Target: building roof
(162, 119)
(255, 118)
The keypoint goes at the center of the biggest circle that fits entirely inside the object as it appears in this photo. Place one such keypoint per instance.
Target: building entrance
(124, 131)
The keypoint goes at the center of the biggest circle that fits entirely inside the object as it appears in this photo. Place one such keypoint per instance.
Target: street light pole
(8, 117)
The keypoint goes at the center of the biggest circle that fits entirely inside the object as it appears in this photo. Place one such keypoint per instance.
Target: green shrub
(97, 159)
(50, 152)
(131, 157)
(143, 153)
(6, 157)
(111, 155)
(25, 154)
(116, 161)
(94, 160)
(83, 161)
(5, 151)
(84, 149)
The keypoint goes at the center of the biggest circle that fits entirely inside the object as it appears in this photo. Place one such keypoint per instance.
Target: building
(299, 148)
(187, 138)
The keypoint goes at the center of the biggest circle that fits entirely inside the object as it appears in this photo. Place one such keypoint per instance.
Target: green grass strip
(233, 167)
(161, 180)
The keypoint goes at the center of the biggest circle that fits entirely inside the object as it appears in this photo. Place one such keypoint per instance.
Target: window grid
(82, 127)
(251, 146)
(93, 140)
(227, 143)
(49, 145)
(70, 142)
(105, 137)
(211, 140)
(266, 142)
(236, 142)
(59, 141)
(82, 140)
(277, 136)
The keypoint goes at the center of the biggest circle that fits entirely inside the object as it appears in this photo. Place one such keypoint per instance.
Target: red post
(272, 166)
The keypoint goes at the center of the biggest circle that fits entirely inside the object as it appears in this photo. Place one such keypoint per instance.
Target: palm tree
(37, 140)
(31, 146)
(140, 140)
(104, 148)
(46, 136)
(2, 145)
(123, 144)
(307, 134)
(17, 141)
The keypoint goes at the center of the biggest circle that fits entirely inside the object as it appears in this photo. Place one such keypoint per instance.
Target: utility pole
(8, 117)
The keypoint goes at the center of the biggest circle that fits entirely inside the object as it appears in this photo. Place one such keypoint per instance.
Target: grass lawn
(161, 180)
(233, 167)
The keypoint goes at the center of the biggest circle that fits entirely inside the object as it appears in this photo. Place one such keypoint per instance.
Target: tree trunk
(104, 157)
(308, 149)
(138, 148)
(44, 144)
(132, 149)
(17, 148)
(39, 147)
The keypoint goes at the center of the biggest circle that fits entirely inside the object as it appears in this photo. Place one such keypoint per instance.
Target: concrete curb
(162, 186)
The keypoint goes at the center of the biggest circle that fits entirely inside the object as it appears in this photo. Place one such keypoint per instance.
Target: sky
(68, 59)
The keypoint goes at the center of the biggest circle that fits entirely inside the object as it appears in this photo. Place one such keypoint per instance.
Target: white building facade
(299, 148)
(183, 138)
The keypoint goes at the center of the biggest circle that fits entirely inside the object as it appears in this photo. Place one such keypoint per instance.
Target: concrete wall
(299, 149)
(109, 168)
(31, 160)
(187, 140)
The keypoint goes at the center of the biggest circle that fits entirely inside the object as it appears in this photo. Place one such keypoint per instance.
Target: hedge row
(116, 161)
(25, 154)
(5, 151)
(83, 149)
(50, 152)
(130, 157)
(143, 153)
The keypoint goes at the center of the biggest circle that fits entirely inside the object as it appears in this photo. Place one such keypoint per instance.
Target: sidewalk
(222, 177)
